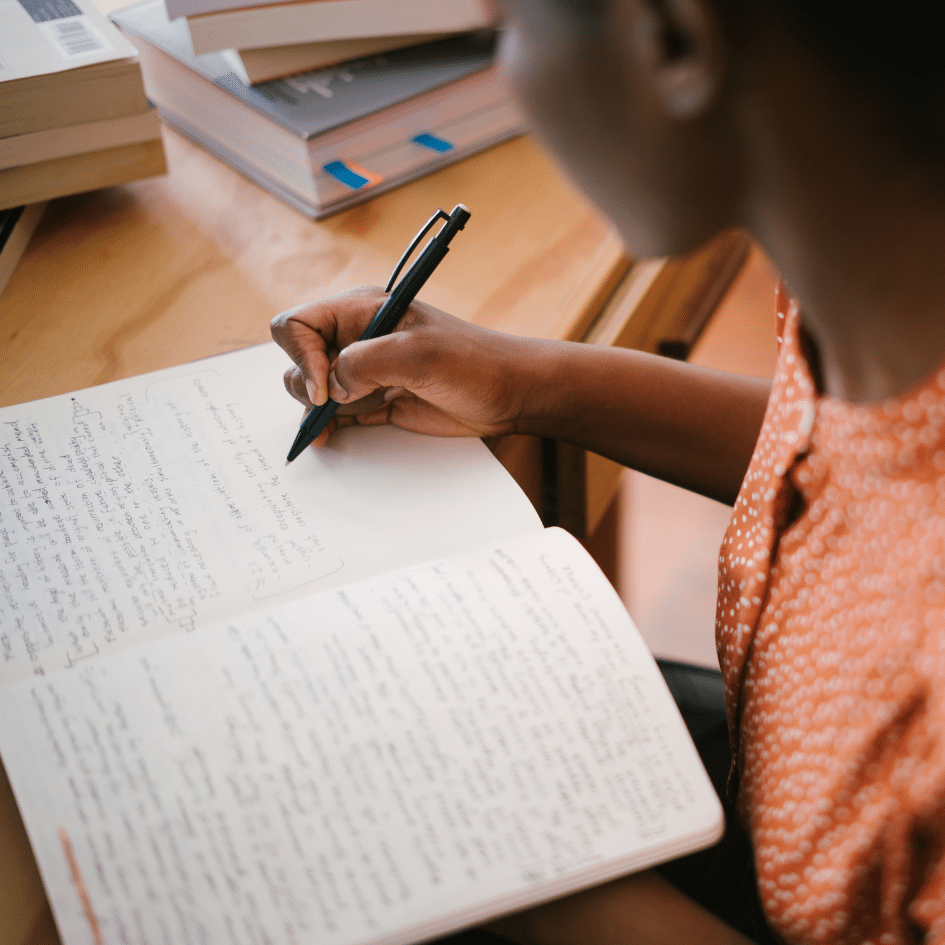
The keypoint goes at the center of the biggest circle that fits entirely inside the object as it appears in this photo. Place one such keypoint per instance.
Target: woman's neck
(871, 286)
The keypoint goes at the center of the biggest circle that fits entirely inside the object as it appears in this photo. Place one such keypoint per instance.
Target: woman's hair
(895, 52)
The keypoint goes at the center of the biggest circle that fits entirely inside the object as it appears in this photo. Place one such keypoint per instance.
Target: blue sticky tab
(340, 171)
(432, 142)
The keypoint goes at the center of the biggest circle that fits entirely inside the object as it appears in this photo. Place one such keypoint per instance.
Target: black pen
(390, 313)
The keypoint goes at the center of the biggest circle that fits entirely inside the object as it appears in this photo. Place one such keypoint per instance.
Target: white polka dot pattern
(831, 638)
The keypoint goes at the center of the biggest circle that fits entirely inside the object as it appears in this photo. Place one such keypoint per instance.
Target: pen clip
(403, 259)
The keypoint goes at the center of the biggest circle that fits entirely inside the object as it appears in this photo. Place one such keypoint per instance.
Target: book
(63, 63)
(328, 139)
(76, 173)
(352, 12)
(305, 21)
(16, 228)
(364, 698)
(80, 139)
(73, 110)
(253, 66)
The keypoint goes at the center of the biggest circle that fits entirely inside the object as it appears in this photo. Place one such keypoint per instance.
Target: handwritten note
(455, 738)
(155, 505)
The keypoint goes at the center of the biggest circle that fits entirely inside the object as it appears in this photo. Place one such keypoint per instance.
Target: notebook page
(154, 505)
(376, 764)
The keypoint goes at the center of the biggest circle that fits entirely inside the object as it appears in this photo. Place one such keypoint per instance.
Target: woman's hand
(434, 374)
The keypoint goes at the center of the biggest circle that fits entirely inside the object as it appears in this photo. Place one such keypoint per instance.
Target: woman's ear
(681, 46)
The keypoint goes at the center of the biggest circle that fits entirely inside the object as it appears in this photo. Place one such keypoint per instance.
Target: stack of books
(73, 111)
(332, 136)
(266, 39)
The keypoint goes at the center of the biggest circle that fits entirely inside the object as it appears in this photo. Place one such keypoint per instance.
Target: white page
(157, 504)
(380, 763)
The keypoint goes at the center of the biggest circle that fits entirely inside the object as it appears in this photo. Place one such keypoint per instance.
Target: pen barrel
(386, 318)
(405, 292)
(317, 418)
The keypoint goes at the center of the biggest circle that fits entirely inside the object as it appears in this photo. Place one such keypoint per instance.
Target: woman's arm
(691, 426)
(440, 375)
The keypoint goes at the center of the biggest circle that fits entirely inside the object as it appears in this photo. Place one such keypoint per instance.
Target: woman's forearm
(688, 425)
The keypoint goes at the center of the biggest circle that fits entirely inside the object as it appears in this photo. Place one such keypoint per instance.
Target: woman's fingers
(313, 333)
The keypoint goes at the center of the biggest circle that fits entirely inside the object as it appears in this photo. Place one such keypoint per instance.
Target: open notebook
(365, 698)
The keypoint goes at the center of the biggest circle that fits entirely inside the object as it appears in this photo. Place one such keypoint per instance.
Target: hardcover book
(16, 227)
(266, 63)
(327, 139)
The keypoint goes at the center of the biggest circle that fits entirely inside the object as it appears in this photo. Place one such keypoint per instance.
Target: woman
(818, 127)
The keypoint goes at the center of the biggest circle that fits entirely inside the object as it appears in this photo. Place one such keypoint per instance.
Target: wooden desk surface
(136, 278)
(140, 277)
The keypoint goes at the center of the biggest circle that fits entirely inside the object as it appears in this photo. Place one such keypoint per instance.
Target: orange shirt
(831, 638)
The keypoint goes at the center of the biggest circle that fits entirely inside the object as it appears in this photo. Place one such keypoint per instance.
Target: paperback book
(62, 64)
(73, 111)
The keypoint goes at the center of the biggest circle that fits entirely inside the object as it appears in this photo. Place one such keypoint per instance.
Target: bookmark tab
(432, 142)
(351, 175)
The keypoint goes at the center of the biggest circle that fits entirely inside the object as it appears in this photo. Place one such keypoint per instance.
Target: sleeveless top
(831, 639)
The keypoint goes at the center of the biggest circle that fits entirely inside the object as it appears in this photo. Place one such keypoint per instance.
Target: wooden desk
(140, 277)
(134, 278)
